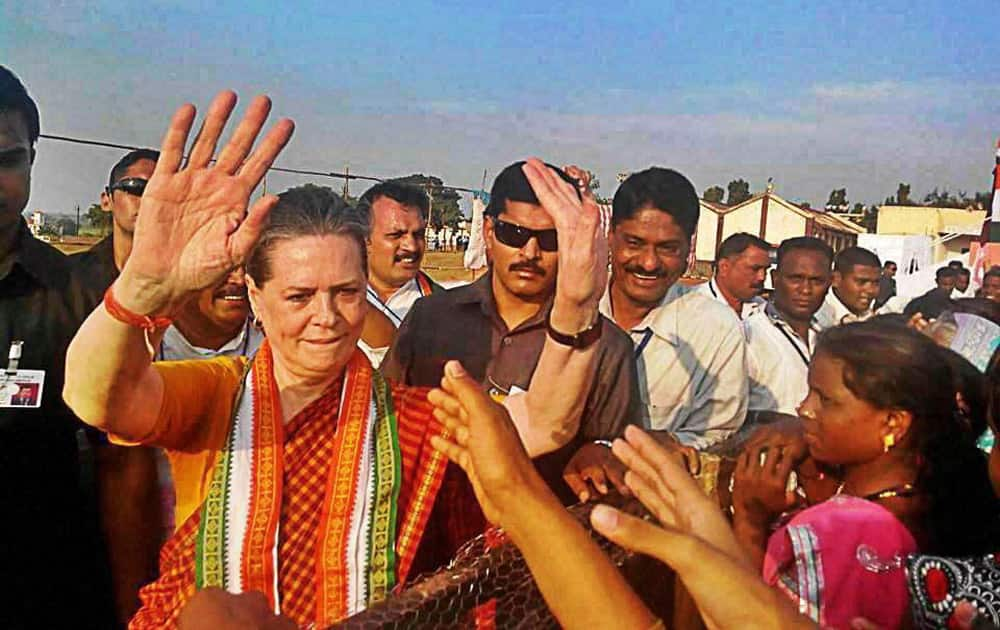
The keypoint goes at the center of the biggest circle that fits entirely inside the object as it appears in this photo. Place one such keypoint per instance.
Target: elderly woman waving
(301, 474)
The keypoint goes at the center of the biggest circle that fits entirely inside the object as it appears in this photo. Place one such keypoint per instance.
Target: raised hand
(583, 247)
(193, 226)
(494, 459)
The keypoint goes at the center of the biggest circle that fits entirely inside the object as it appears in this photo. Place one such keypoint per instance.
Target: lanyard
(646, 336)
(382, 306)
(798, 350)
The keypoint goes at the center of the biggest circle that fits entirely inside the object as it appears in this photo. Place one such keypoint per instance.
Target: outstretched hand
(665, 487)
(193, 226)
(583, 246)
(483, 440)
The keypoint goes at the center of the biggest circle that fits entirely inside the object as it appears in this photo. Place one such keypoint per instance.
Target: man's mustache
(527, 266)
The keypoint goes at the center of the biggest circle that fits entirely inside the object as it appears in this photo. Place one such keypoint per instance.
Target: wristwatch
(580, 340)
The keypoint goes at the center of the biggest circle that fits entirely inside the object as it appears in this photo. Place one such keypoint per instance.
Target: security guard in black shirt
(53, 564)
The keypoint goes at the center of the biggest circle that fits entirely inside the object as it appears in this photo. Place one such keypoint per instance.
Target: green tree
(739, 191)
(870, 220)
(715, 194)
(98, 220)
(444, 200)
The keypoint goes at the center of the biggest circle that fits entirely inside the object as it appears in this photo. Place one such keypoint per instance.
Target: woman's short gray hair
(307, 210)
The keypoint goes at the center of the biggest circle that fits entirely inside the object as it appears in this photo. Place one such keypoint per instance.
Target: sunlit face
(123, 206)
(840, 428)
(991, 288)
(526, 272)
(397, 242)
(742, 276)
(313, 307)
(16, 157)
(857, 288)
(801, 282)
(225, 307)
(648, 255)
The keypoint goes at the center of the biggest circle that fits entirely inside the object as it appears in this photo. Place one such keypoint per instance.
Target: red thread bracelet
(125, 316)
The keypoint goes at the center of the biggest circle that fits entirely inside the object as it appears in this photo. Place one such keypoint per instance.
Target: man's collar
(481, 292)
(775, 316)
(663, 327)
(36, 258)
(841, 314)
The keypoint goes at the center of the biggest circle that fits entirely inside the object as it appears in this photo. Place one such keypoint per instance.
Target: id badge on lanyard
(20, 389)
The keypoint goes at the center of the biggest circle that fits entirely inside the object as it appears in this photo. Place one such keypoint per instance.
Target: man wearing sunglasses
(99, 266)
(506, 326)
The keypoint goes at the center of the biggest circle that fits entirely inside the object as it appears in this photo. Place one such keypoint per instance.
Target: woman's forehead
(319, 259)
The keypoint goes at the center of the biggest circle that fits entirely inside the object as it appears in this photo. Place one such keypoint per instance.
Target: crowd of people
(268, 415)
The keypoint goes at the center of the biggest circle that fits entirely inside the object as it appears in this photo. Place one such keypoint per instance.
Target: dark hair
(661, 188)
(512, 185)
(804, 243)
(956, 265)
(945, 272)
(14, 98)
(890, 262)
(402, 193)
(740, 242)
(965, 272)
(308, 210)
(128, 160)
(893, 367)
(847, 259)
(994, 272)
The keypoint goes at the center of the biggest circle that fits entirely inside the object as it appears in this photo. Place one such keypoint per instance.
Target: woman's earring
(888, 442)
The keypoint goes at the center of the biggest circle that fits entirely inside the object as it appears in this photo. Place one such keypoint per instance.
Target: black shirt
(930, 304)
(53, 567)
(94, 270)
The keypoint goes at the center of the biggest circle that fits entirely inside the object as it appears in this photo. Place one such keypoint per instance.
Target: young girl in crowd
(882, 412)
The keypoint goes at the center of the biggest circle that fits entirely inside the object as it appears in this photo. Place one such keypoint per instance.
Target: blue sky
(817, 95)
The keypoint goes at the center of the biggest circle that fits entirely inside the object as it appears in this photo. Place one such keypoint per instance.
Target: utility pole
(78, 219)
(347, 182)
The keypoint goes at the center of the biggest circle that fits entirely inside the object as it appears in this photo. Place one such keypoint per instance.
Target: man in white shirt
(740, 270)
(781, 337)
(396, 216)
(215, 323)
(856, 275)
(689, 348)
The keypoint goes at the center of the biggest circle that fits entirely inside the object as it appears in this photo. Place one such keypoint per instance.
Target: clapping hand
(193, 226)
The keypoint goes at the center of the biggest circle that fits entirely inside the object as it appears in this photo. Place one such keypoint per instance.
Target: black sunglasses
(513, 235)
(131, 185)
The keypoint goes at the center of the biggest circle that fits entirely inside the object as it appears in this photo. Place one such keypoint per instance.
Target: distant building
(36, 222)
(952, 230)
(772, 218)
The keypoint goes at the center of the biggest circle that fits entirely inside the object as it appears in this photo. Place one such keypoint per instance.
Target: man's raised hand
(583, 247)
(193, 226)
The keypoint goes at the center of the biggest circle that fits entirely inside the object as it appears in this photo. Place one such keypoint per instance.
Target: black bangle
(580, 340)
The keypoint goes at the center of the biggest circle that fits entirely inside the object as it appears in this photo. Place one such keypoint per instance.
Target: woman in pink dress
(881, 414)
